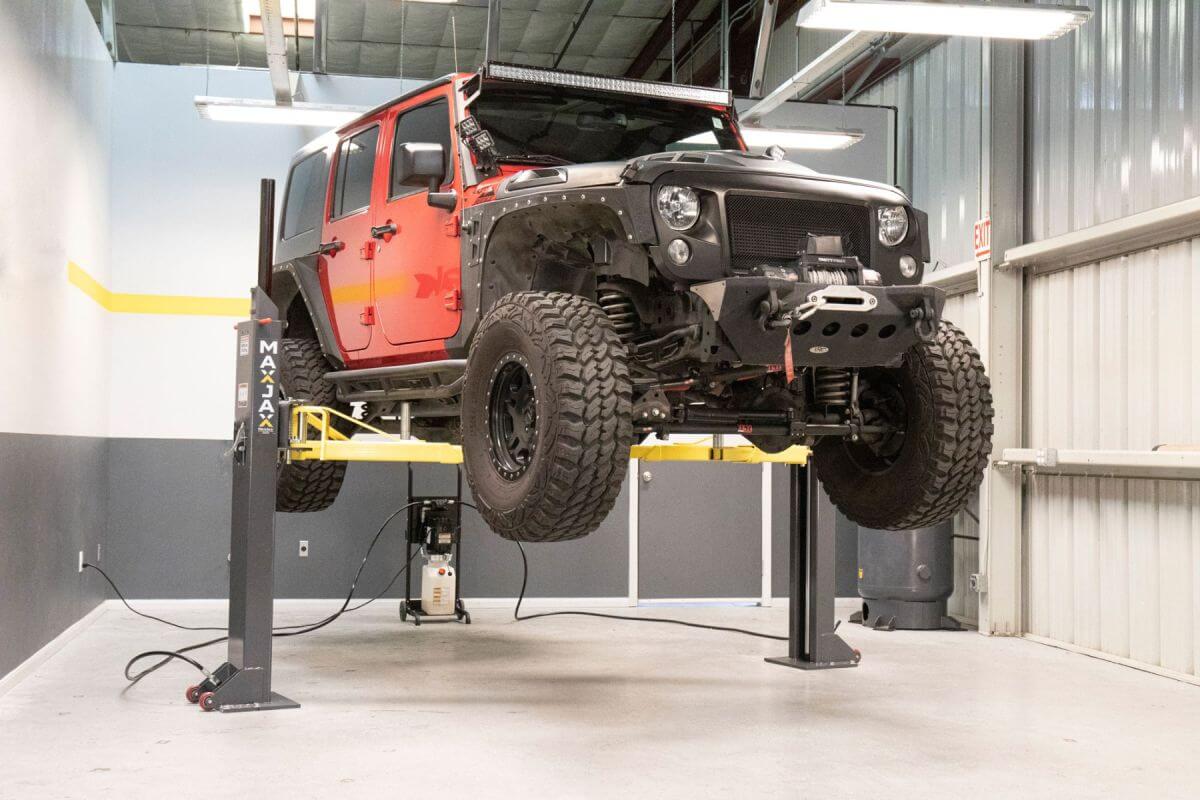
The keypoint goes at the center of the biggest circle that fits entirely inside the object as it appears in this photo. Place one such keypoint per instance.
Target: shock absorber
(621, 312)
(831, 387)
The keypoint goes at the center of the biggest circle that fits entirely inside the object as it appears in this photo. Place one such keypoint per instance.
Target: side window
(355, 167)
(430, 124)
(305, 196)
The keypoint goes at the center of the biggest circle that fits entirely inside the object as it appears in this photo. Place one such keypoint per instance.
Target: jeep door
(346, 275)
(417, 273)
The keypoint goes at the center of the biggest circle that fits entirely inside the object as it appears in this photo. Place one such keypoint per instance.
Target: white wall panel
(1113, 360)
(185, 222)
(57, 83)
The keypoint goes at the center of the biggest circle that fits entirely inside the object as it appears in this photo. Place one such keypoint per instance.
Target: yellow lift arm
(313, 437)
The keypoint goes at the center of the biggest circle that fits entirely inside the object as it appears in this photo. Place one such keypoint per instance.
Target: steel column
(1002, 183)
(491, 49)
(812, 642)
(320, 36)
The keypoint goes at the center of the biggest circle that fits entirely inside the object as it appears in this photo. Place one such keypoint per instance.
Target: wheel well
(299, 320)
(561, 247)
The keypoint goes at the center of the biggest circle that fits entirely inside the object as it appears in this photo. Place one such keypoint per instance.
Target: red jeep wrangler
(548, 266)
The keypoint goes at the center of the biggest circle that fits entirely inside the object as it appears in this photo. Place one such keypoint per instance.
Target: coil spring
(838, 277)
(831, 386)
(621, 312)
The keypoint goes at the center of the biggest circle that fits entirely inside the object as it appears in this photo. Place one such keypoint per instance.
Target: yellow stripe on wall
(125, 303)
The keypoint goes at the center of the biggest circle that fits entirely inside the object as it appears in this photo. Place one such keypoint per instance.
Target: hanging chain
(403, 17)
(672, 41)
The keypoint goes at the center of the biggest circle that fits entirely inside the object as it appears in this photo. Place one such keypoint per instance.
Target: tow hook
(924, 316)
(773, 315)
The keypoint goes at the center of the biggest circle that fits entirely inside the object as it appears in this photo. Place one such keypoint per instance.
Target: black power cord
(283, 630)
(660, 620)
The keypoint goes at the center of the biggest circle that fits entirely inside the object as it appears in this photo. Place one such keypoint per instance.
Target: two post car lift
(267, 429)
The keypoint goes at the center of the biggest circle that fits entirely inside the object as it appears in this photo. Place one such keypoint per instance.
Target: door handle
(331, 249)
(385, 232)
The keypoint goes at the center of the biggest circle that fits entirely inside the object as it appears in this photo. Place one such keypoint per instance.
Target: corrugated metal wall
(1113, 349)
(1114, 115)
(938, 99)
(1114, 363)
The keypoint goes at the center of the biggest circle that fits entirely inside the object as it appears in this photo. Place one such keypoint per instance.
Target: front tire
(941, 398)
(546, 417)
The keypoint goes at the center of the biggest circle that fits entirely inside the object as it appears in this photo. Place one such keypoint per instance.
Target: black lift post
(812, 642)
(243, 683)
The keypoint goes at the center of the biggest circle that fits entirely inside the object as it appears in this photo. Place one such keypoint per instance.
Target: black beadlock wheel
(940, 401)
(303, 486)
(546, 417)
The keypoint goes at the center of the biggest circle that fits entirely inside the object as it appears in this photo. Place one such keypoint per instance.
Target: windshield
(581, 126)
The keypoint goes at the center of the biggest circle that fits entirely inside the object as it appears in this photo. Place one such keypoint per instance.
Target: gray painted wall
(52, 505)
(168, 533)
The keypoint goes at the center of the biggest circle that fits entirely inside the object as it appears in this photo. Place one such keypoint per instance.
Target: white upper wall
(185, 222)
(56, 89)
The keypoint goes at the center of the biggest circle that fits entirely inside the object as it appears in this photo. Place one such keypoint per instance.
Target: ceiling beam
(766, 27)
(741, 39)
(272, 22)
(320, 36)
(660, 38)
(578, 21)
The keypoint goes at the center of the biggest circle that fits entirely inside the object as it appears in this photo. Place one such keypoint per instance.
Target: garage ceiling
(412, 39)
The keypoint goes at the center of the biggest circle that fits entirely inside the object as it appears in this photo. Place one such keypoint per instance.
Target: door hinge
(367, 317)
(453, 226)
(453, 300)
(367, 251)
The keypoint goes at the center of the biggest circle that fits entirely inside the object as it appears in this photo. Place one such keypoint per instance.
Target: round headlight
(893, 225)
(679, 206)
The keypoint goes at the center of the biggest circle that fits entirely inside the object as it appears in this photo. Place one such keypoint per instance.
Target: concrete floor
(576, 707)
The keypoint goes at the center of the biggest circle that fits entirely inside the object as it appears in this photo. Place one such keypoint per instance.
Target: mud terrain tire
(307, 485)
(948, 435)
(546, 417)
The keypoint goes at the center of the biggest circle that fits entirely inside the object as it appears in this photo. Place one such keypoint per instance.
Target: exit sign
(983, 239)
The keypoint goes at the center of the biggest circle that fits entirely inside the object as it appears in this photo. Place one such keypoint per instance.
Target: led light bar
(1001, 20)
(602, 83)
(313, 115)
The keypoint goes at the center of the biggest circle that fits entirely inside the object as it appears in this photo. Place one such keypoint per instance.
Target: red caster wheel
(207, 701)
(857, 656)
(193, 694)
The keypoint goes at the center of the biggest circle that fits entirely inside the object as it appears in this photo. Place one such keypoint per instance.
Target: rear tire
(304, 486)
(546, 417)
(945, 401)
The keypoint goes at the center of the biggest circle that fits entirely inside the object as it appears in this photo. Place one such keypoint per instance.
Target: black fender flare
(297, 281)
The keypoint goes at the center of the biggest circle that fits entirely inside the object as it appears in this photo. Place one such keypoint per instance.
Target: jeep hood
(648, 169)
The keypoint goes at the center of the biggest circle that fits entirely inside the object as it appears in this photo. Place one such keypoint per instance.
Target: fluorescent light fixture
(788, 138)
(313, 115)
(964, 18)
(602, 83)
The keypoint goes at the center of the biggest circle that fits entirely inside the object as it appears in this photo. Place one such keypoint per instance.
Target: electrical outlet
(304, 548)
(81, 561)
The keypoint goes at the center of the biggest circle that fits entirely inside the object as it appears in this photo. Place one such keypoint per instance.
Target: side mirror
(424, 164)
(420, 164)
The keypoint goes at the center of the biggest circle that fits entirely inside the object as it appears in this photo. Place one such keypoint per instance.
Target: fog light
(679, 252)
(908, 266)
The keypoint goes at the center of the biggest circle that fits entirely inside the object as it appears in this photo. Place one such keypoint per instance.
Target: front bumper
(856, 326)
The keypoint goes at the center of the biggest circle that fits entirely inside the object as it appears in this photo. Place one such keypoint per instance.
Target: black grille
(766, 229)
